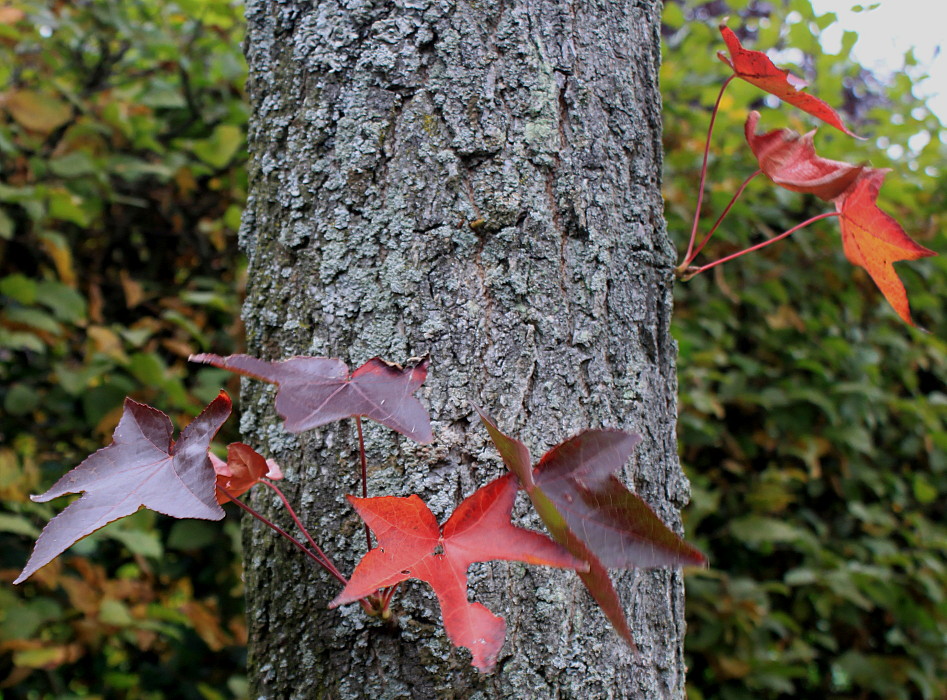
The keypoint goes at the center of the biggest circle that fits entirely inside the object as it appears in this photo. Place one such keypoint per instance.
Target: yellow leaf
(107, 342)
(36, 111)
(134, 292)
(56, 247)
(47, 657)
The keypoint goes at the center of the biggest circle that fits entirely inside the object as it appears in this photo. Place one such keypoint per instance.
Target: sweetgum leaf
(596, 579)
(244, 468)
(141, 467)
(591, 513)
(790, 161)
(756, 68)
(411, 545)
(616, 524)
(873, 240)
(314, 391)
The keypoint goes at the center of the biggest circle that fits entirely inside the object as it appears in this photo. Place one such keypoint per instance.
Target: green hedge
(813, 422)
(122, 178)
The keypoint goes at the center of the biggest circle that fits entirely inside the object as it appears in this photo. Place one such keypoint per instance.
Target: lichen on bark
(478, 181)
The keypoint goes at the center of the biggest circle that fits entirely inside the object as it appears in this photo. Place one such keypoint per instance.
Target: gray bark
(478, 181)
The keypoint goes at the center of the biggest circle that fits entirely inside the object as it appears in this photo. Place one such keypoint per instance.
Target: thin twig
(719, 220)
(693, 272)
(703, 169)
(303, 548)
(302, 528)
(361, 454)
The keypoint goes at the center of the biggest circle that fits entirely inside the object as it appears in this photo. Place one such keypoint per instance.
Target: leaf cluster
(596, 523)
(813, 432)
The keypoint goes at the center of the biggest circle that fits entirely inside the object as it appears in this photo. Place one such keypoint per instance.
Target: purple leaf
(591, 513)
(142, 467)
(612, 521)
(314, 391)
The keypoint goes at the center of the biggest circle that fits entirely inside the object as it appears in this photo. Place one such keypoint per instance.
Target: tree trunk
(478, 181)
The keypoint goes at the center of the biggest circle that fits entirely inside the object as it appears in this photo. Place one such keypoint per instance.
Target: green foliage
(121, 183)
(813, 422)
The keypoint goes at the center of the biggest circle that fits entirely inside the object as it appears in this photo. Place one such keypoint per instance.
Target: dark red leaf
(591, 513)
(790, 161)
(314, 391)
(756, 68)
(873, 240)
(409, 541)
(244, 468)
(612, 521)
(141, 467)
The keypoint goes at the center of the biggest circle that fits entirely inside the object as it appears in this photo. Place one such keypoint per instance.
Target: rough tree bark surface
(478, 181)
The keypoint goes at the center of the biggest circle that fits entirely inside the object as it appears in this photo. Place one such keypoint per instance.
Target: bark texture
(478, 181)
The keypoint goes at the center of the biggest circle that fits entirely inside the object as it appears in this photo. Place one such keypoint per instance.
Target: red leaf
(873, 240)
(244, 468)
(789, 160)
(314, 391)
(142, 467)
(755, 68)
(591, 513)
(410, 545)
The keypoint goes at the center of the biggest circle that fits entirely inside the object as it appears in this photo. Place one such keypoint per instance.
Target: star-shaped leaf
(873, 240)
(142, 466)
(790, 161)
(756, 68)
(591, 513)
(411, 545)
(314, 391)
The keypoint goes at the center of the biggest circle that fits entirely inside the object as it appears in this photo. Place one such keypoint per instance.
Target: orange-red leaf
(873, 240)
(411, 545)
(755, 68)
(790, 161)
(244, 468)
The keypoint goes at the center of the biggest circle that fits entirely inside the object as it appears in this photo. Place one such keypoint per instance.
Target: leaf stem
(703, 169)
(389, 594)
(688, 261)
(327, 563)
(361, 454)
(692, 272)
(303, 548)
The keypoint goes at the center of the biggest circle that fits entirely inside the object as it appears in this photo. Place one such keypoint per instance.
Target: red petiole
(687, 261)
(689, 255)
(364, 461)
(692, 272)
